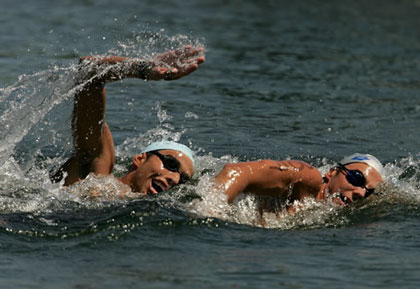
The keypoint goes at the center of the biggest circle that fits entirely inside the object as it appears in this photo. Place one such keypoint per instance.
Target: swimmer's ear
(139, 160)
(326, 179)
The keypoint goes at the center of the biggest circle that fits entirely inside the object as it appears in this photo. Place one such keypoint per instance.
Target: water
(312, 80)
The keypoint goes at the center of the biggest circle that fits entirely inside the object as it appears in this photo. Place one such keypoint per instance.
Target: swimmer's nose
(172, 179)
(359, 194)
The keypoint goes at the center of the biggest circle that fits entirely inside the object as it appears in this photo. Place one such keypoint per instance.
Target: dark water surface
(310, 80)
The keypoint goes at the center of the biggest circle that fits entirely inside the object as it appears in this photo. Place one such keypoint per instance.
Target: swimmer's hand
(174, 64)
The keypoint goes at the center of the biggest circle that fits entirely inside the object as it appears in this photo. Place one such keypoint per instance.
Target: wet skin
(337, 183)
(293, 180)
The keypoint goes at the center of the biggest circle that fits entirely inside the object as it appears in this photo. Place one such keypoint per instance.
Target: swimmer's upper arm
(92, 138)
(88, 121)
(267, 177)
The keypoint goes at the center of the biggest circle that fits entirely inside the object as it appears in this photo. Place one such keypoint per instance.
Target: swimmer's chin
(152, 189)
(341, 200)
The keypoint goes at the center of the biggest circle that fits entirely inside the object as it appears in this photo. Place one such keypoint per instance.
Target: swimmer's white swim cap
(170, 145)
(364, 158)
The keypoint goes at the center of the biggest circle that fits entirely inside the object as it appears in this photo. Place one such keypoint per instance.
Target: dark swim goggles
(171, 164)
(355, 178)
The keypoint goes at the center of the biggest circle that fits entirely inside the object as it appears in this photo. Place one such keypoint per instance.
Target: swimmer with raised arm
(159, 166)
(354, 178)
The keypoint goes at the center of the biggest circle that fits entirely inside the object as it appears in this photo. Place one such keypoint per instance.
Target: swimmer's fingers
(189, 51)
(200, 59)
(174, 64)
(159, 73)
(178, 73)
(179, 56)
(174, 72)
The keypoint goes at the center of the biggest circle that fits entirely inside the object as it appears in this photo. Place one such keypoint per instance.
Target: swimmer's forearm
(118, 67)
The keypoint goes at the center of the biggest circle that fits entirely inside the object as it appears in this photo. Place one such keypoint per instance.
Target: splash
(35, 116)
(148, 43)
(246, 210)
(132, 145)
(27, 103)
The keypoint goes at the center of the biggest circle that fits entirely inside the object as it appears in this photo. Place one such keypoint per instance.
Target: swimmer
(353, 178)
(159, 166)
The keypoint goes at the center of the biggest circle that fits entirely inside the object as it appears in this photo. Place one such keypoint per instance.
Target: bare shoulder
(289, 165)
(303, 176)
(298, 168)
(292, 167)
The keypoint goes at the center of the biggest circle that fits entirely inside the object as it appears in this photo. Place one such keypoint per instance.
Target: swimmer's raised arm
(92, 139)
(166, 66)
(287, 179)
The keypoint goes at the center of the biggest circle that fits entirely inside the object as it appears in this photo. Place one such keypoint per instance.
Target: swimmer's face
(348, 192)
(159, 171)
